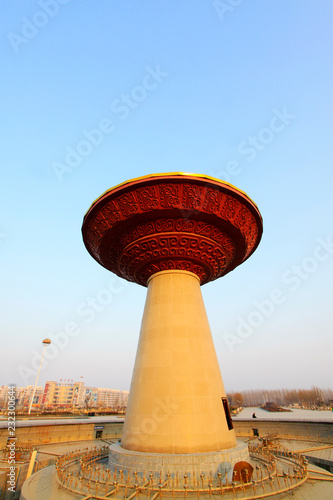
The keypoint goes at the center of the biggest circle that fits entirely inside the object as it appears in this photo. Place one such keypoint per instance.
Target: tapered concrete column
(175, 403)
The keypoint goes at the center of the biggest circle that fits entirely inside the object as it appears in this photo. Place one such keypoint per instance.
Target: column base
(157, 466)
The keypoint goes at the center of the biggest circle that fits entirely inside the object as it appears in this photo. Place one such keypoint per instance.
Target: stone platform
(177, 464)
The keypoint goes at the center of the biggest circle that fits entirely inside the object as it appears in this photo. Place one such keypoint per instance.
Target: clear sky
(95, 93)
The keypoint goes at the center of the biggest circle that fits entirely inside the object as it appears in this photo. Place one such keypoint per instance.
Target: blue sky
(95, 93)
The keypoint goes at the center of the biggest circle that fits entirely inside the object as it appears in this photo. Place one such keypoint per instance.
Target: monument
(172, 233)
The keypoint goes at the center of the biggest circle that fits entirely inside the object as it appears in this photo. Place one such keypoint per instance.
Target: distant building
(76, 395)
(48, 396)
(89, 397)
(3, 395)
(112, 398)
(24, 395)
(63, 394)
(58, 394)
(66, 395)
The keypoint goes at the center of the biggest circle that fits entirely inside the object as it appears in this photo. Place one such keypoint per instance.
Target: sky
(96, 93)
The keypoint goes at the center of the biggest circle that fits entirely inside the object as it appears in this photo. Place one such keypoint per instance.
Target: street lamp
(45, 343)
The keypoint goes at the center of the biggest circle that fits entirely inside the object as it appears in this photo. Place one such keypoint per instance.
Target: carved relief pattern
(155, 250)
(192, 196)
(128, 204)
(169, 195)
(176, 225)
(213, 201)
(148, 197)
(178, 238)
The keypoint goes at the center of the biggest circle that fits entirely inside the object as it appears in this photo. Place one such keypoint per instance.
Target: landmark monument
(173, 233)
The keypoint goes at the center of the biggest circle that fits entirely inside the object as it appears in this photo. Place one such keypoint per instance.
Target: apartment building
(66, 394)
(112, 398)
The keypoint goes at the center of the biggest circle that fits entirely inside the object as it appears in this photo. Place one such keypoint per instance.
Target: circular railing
(86, 472)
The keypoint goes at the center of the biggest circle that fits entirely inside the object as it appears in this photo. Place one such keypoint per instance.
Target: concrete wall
(21, 473)
(68, 432)
(61, 433)
(307, 431)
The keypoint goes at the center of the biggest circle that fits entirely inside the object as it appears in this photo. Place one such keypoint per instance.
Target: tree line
(314, 397)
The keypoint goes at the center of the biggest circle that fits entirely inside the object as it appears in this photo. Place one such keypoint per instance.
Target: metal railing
(276, 471)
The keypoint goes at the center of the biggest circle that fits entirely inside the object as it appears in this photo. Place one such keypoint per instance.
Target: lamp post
(45, 343)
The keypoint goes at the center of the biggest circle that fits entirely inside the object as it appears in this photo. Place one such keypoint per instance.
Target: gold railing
(276, 471)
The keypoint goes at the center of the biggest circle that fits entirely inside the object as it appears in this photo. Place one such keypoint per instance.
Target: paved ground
(44, 486)
(293, 415)
(318, 453)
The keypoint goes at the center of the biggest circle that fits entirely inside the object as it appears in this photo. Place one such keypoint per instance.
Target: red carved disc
(172, 221)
